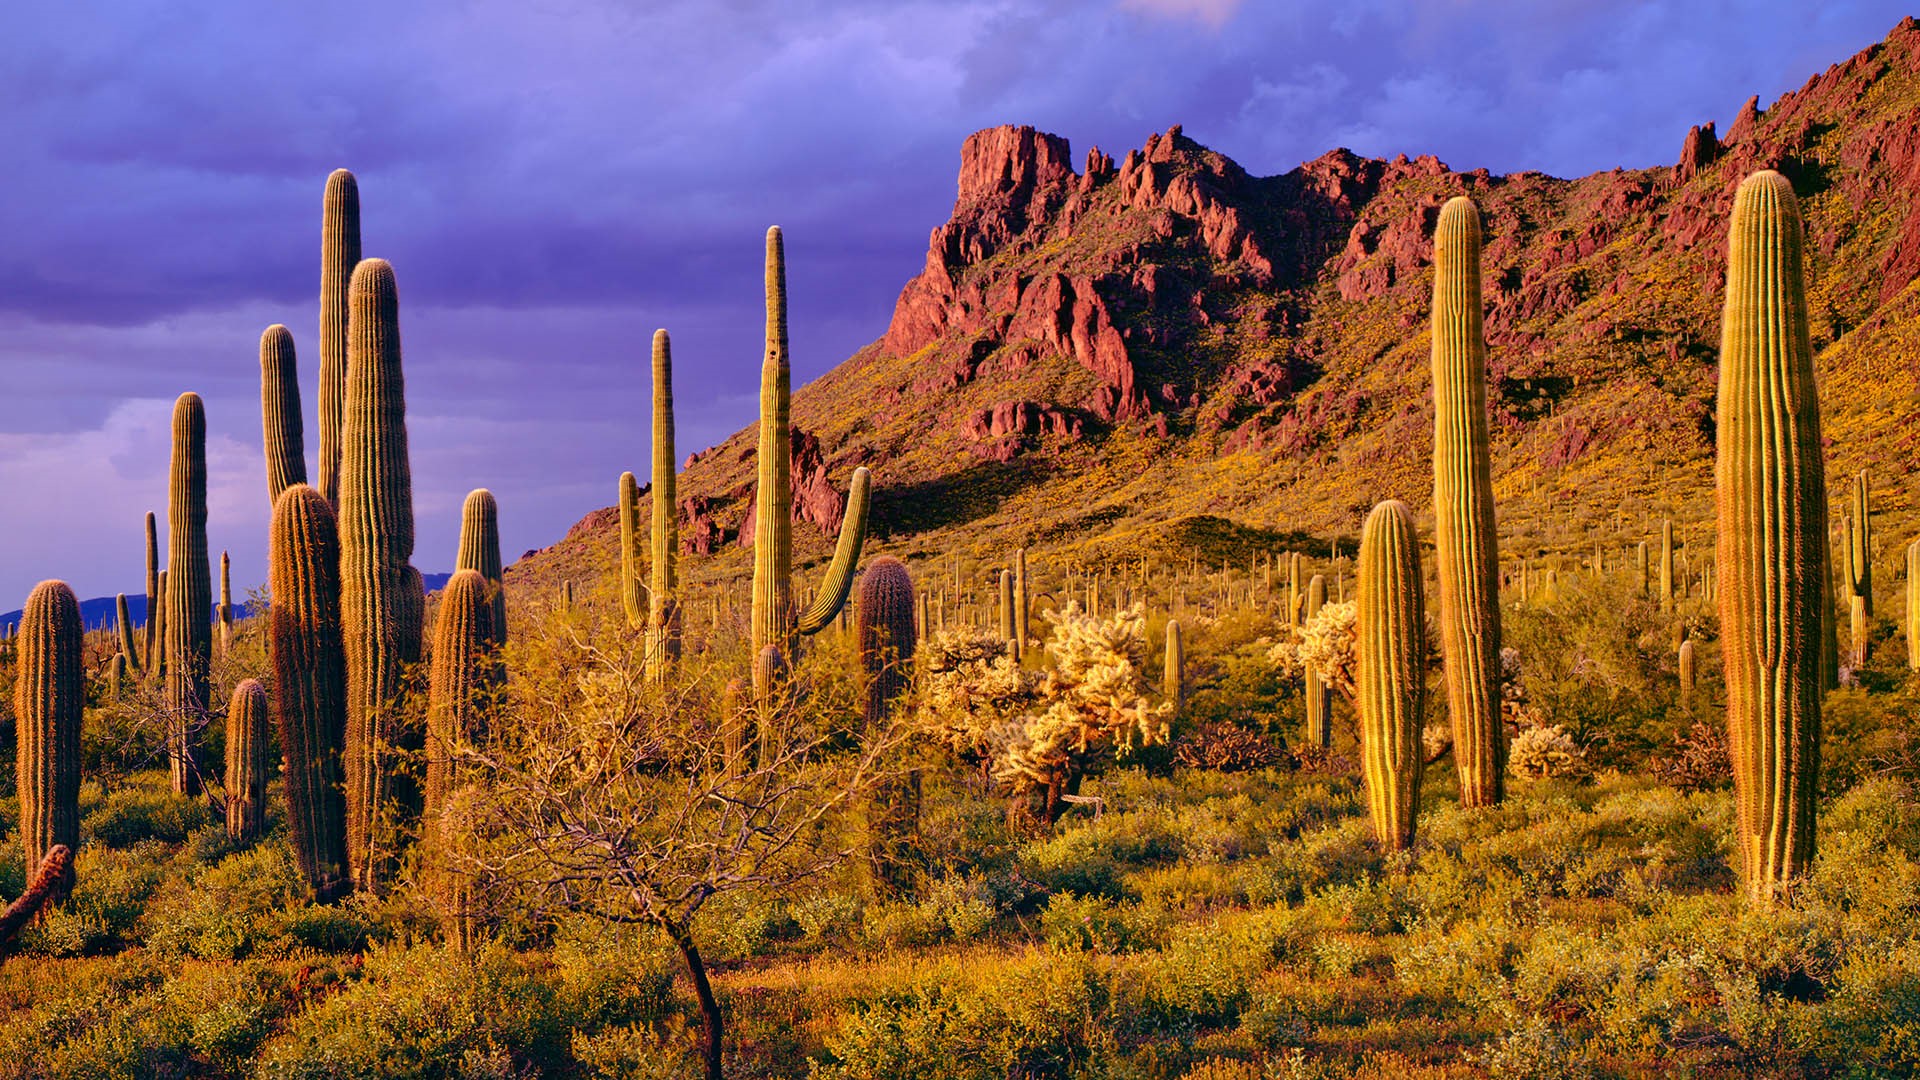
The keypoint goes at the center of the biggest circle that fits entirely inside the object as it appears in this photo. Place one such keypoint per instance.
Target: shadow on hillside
(953, 499)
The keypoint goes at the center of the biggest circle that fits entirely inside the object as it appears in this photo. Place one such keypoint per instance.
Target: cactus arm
(838, 584)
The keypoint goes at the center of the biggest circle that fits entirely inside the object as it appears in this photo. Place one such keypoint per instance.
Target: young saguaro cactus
(1772, 516)
(1009, 626)
(339, 255)
(774, 620)
(189, 595)
(247, 760)
(310, 683)
(1021, 602)
(1666, 566)
(884, 629)
(48, 696)
(633, 591)
(381, 599)
(1466, 547)
(663, 608)
(1392, 676)
(480, 552)
(1319, 701)
(1689, 675)
(1173, 672)
(280, 422)
(1913, 606)
(466, 675)
(226, 603)
(128, 647)
(1859, 537)
(154, 599)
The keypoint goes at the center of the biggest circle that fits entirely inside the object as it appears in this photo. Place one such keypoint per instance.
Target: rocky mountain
(1166, 352)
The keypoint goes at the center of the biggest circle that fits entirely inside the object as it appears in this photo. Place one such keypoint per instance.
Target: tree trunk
(710, 1022)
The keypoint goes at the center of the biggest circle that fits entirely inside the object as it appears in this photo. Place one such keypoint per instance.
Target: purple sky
(554, 180)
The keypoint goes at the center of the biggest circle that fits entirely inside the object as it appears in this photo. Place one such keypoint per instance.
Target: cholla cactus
(1326, 645)
(1095, 703)
(970, 686)
(1546, 752)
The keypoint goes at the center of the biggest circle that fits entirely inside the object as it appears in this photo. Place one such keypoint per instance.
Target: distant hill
(1169, 355)
(98, 613)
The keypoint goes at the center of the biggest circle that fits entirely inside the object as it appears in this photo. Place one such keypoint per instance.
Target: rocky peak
(1744, 124)
(1697, 152)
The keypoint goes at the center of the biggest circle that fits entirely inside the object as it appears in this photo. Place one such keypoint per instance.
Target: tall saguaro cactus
(189, 600)
(480, 552)
(280, 422)
(1319, 701)
(226, 603)
(663, 607)
(1022, 603)
(124, 623)
(1466, 548)
(633, 591)
(1666, 566)
(154, 599)
(1859, 538)
(48, 696)
(339, 254)
(247, 761)
(1913, 606)
(1772, 511)
(774, 619)
(381, 600)
(1173, 670)
(466, 673)
(1009, 632)
(1392, 676)
(310, 683)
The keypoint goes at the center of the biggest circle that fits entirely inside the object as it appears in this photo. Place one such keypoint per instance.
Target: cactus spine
(1319, 701)
(1772, 510)
(310, 683)
(663, 609)
(247, 763)
(280, 422)
(154, 595)
(885, 634)
(480, 552)
(48, 697)
(1859, 535)
(633, 592)
(381, 601)
(1466, 547)
(1392, 676)
(1173, 673)
(339, 255)
(128, 648)
(189, 594)
(1913, 606)
(774, 622)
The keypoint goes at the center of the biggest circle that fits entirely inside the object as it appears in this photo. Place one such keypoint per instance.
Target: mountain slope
(1091, 359)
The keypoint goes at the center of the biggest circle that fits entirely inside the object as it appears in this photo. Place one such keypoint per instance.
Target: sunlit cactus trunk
(248, 764)
(49, 694)
(1666, 566)
(1021, 602)
(189, 595)
(1466, 548)
(281, 425)
(1319, 701)
(1009, 626)
(339, 254)
(480, 552)
(1913, 606)
(465, 680)
(1859, 542)
(1173, 671)
(663, 607)
(310, 683)
(633, 591)
(155, 598)
(1392, 671)
(382, 602)
(129, 648)
(1688, 674)
(226, 603)
(1772, 510)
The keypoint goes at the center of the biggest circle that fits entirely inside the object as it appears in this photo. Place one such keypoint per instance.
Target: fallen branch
(56, 871)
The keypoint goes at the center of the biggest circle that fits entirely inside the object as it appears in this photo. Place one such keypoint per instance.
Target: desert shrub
(1092, 857)
(900, 924)
(1097, 924)
(145, 809)
(1545, 752)
(1697, 759)
(827, 916)
(1226, 747)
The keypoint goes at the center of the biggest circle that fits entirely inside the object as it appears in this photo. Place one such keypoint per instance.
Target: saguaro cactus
(1913, 606)
(128, 647)
(280, 421)
(884, 628)
(1466, 547)
(226, 603)
(1688, 675)
(663, 608)
(189, 594)
(466, 674)
(247, 761)
(1173, 672)
(48, 696)
(339, 255)
(480, 552)
(1392, 676)
(117, 676)
(1021, 601)
(1666, 566)
(633, 591)
(1772, 510)
(1319, 701)
(774, 622)
(1859, 537)
(155, 599)
(158, 617)
(310, 683)
(1009, 631)
(381, 600)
